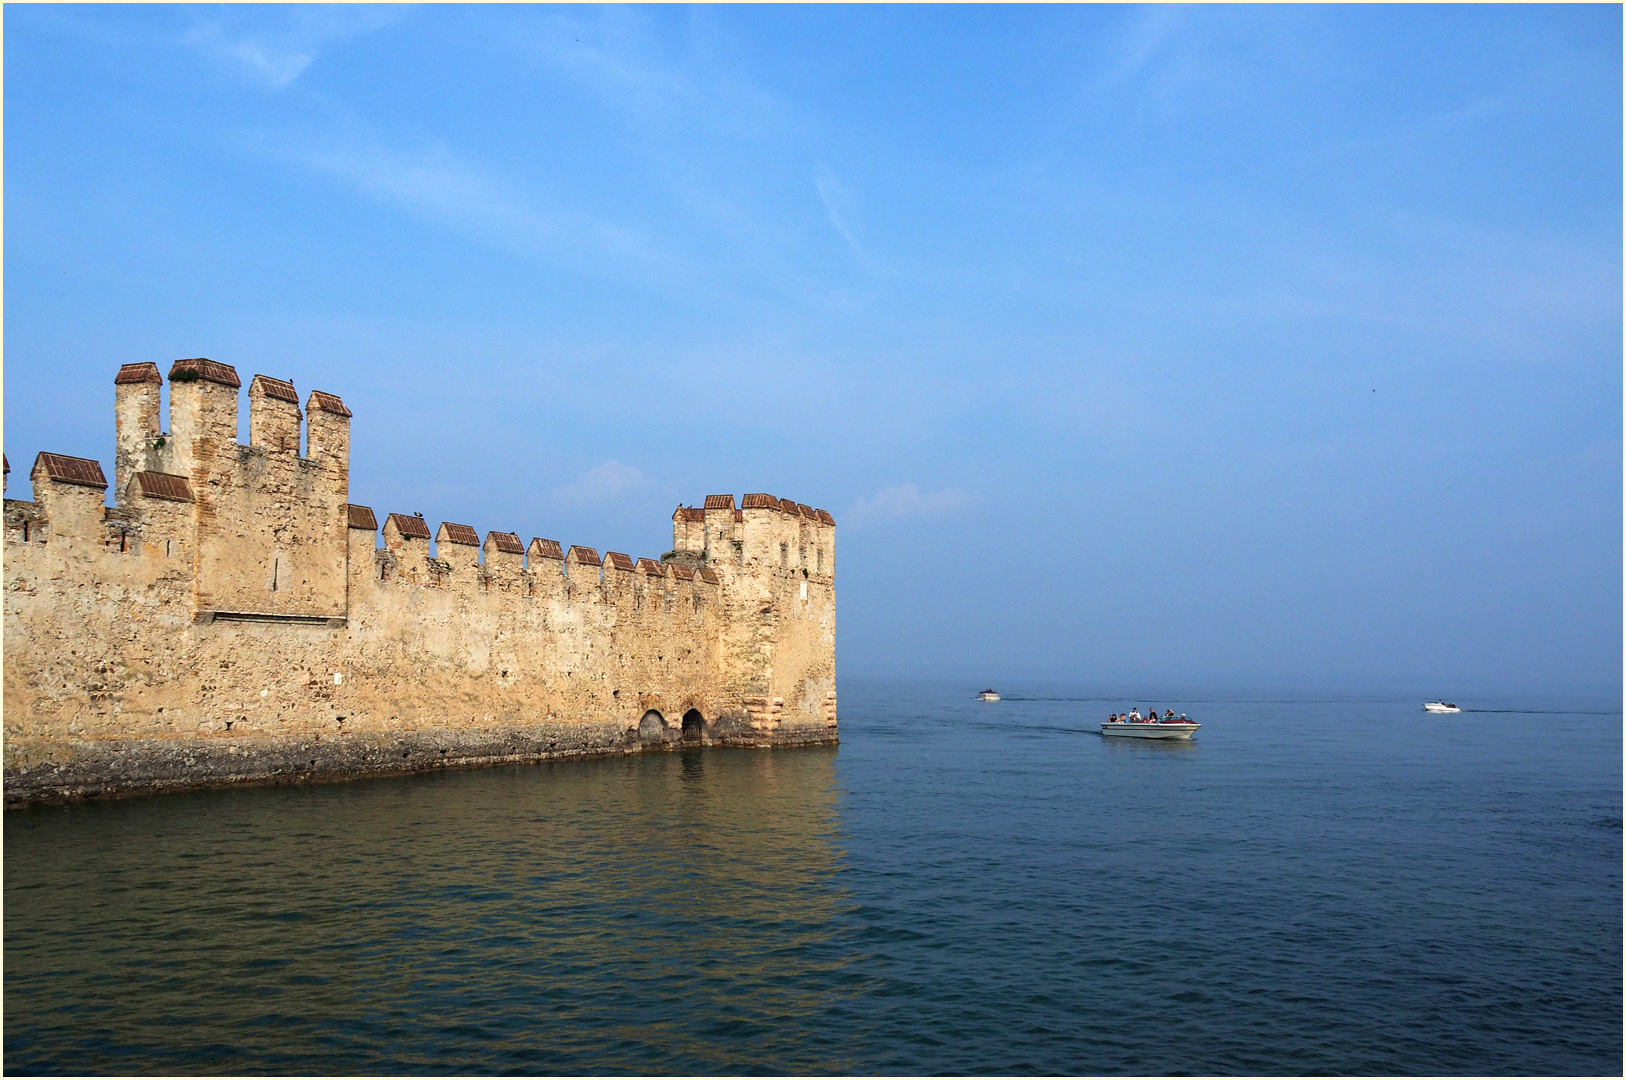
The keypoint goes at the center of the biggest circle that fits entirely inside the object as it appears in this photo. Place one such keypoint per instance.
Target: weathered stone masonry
(233, 617)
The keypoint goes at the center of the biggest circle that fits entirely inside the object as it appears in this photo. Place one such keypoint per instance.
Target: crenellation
(327, 439)
(233, 596)
(547, 569)
(273, 415)
(406, 538)
(617, 582)
(718, 528)
(360, 517)
(583, 574)
(689, 529)
(71, 493)
(504, 558)
(202, 418)
(137, 400)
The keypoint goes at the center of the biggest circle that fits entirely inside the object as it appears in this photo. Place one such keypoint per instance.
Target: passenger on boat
(1113, 719)
(1134, 715)
(1168, 717)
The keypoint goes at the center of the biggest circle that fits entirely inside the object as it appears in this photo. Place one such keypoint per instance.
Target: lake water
(1309, 887)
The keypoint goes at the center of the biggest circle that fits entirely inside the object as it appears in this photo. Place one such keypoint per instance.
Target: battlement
(227, 582)
(766, 531)
(273, 529)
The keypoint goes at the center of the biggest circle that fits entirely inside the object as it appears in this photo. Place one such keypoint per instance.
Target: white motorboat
(1151, 729)
(1439, 706)
(988, 695)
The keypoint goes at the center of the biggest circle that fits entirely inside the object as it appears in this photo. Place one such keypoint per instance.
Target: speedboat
(1439, 706)
(988, 695)
(1151, 729)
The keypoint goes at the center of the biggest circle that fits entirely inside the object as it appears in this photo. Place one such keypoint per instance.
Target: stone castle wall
(233, 617)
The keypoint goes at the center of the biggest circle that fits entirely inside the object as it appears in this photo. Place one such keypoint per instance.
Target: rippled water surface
(1312, 886)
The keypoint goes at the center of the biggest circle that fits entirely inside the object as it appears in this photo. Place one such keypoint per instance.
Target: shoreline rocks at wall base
(42, 773)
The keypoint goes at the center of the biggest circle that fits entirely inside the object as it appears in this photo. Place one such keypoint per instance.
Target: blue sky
(1148, 344)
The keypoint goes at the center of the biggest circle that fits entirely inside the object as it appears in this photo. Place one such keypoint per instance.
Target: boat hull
(1150, 731)
(1437, 708)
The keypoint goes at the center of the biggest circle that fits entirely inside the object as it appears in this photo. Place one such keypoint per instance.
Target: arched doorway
(694, 726)
(652, 728)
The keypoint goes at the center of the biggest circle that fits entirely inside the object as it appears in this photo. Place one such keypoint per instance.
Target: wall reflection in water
(667, 913)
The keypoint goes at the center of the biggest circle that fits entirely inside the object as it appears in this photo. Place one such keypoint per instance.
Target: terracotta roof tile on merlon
(651, 567)
(719, 502)
(361, 517)
(458, 534)
(208, 370)
(410, 526)
(144, 372)
(824, 516)
(759, 501)
(328, 403)
(545, 549)
(276, 389)
(585, 555)
(70, 470)
(681, 572)
(507, 543)
(707, 575)
(618, 560)
(157, 485)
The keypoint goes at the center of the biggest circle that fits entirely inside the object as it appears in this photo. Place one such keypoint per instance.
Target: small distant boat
(1151, 729)
(1439, 706)
(988, 695)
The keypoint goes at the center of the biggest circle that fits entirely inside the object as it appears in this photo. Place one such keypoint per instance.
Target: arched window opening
(652, 728)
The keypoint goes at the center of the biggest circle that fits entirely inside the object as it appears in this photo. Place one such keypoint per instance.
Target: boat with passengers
(1134, 726)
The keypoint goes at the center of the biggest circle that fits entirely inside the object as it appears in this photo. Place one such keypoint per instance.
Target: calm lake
(1311, 886)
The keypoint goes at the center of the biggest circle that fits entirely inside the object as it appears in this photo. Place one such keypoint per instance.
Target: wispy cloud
(277, 54)
(693, 90)
(601, 484)
(895, 502)
(438, 184)
(841, 205)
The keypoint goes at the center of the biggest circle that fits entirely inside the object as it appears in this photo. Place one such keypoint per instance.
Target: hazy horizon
(1161, 346)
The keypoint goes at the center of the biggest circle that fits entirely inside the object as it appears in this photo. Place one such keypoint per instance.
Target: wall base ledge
(45, 772)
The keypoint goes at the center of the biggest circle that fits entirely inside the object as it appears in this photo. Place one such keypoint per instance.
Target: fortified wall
(233, 617)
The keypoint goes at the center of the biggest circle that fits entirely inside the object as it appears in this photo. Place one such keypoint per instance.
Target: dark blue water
(1311, 887)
